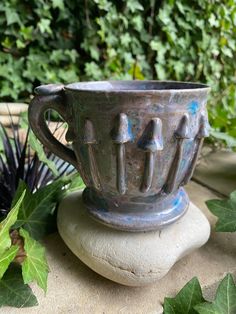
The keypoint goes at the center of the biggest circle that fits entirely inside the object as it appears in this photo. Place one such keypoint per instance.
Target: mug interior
(106, 86)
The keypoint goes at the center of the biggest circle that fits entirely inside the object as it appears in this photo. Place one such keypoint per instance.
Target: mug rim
(169, 86)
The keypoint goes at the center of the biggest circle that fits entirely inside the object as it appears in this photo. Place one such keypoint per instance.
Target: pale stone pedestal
(132, 259)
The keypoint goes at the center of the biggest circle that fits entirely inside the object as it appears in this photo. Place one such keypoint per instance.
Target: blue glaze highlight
(193, 107)
(151, 145)
(177, 201)
(136, 220)
(129, 130)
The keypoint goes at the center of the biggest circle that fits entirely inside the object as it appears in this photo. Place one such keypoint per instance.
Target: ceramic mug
(134, 143)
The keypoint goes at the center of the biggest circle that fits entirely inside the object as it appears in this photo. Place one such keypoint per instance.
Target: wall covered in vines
(65, 40)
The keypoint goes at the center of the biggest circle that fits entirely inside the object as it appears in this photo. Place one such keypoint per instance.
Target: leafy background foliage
(64, 41)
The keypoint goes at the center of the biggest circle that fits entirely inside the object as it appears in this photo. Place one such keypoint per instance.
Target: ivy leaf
(189, 296)
(22, 187)
(58, 4)
(34, 267)
(37, 210)
(134, 5)
(225, 301)
(12, 16)
(136, 72)
(6, 258)
(13, 290)
(44, 26)
(38, 148)
(225, 210)
(75, 184)
(229, 140)
(5, 225)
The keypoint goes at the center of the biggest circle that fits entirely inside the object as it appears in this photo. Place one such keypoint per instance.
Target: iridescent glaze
(135, 144)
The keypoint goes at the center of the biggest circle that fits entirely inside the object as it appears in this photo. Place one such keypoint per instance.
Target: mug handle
(50, 97)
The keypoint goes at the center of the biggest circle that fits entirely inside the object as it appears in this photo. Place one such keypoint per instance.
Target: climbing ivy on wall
(63, 41)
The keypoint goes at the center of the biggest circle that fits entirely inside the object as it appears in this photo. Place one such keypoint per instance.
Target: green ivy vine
(63, 41)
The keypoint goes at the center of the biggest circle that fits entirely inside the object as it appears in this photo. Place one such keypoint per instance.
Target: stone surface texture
(13, 108)
(132, 259)
(217, 170)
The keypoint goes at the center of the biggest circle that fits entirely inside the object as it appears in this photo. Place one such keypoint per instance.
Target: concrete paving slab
(74, 288)
(217, 170)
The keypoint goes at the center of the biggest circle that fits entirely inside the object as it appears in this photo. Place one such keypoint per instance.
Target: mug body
(136, 145)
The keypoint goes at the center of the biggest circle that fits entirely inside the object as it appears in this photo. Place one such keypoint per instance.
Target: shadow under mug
(134, 143)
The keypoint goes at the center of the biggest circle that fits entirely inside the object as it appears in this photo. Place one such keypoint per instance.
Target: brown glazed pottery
(134, 143)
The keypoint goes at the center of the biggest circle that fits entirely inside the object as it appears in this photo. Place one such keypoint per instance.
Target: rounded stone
(132, 259)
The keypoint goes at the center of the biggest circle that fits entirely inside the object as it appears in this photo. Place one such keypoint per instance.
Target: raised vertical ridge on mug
(89, 140)
(150, 142)
(181, 134)
(121, 134)
(199, 139)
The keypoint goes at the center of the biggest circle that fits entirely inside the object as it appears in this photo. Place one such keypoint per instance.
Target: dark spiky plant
(19, 162)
